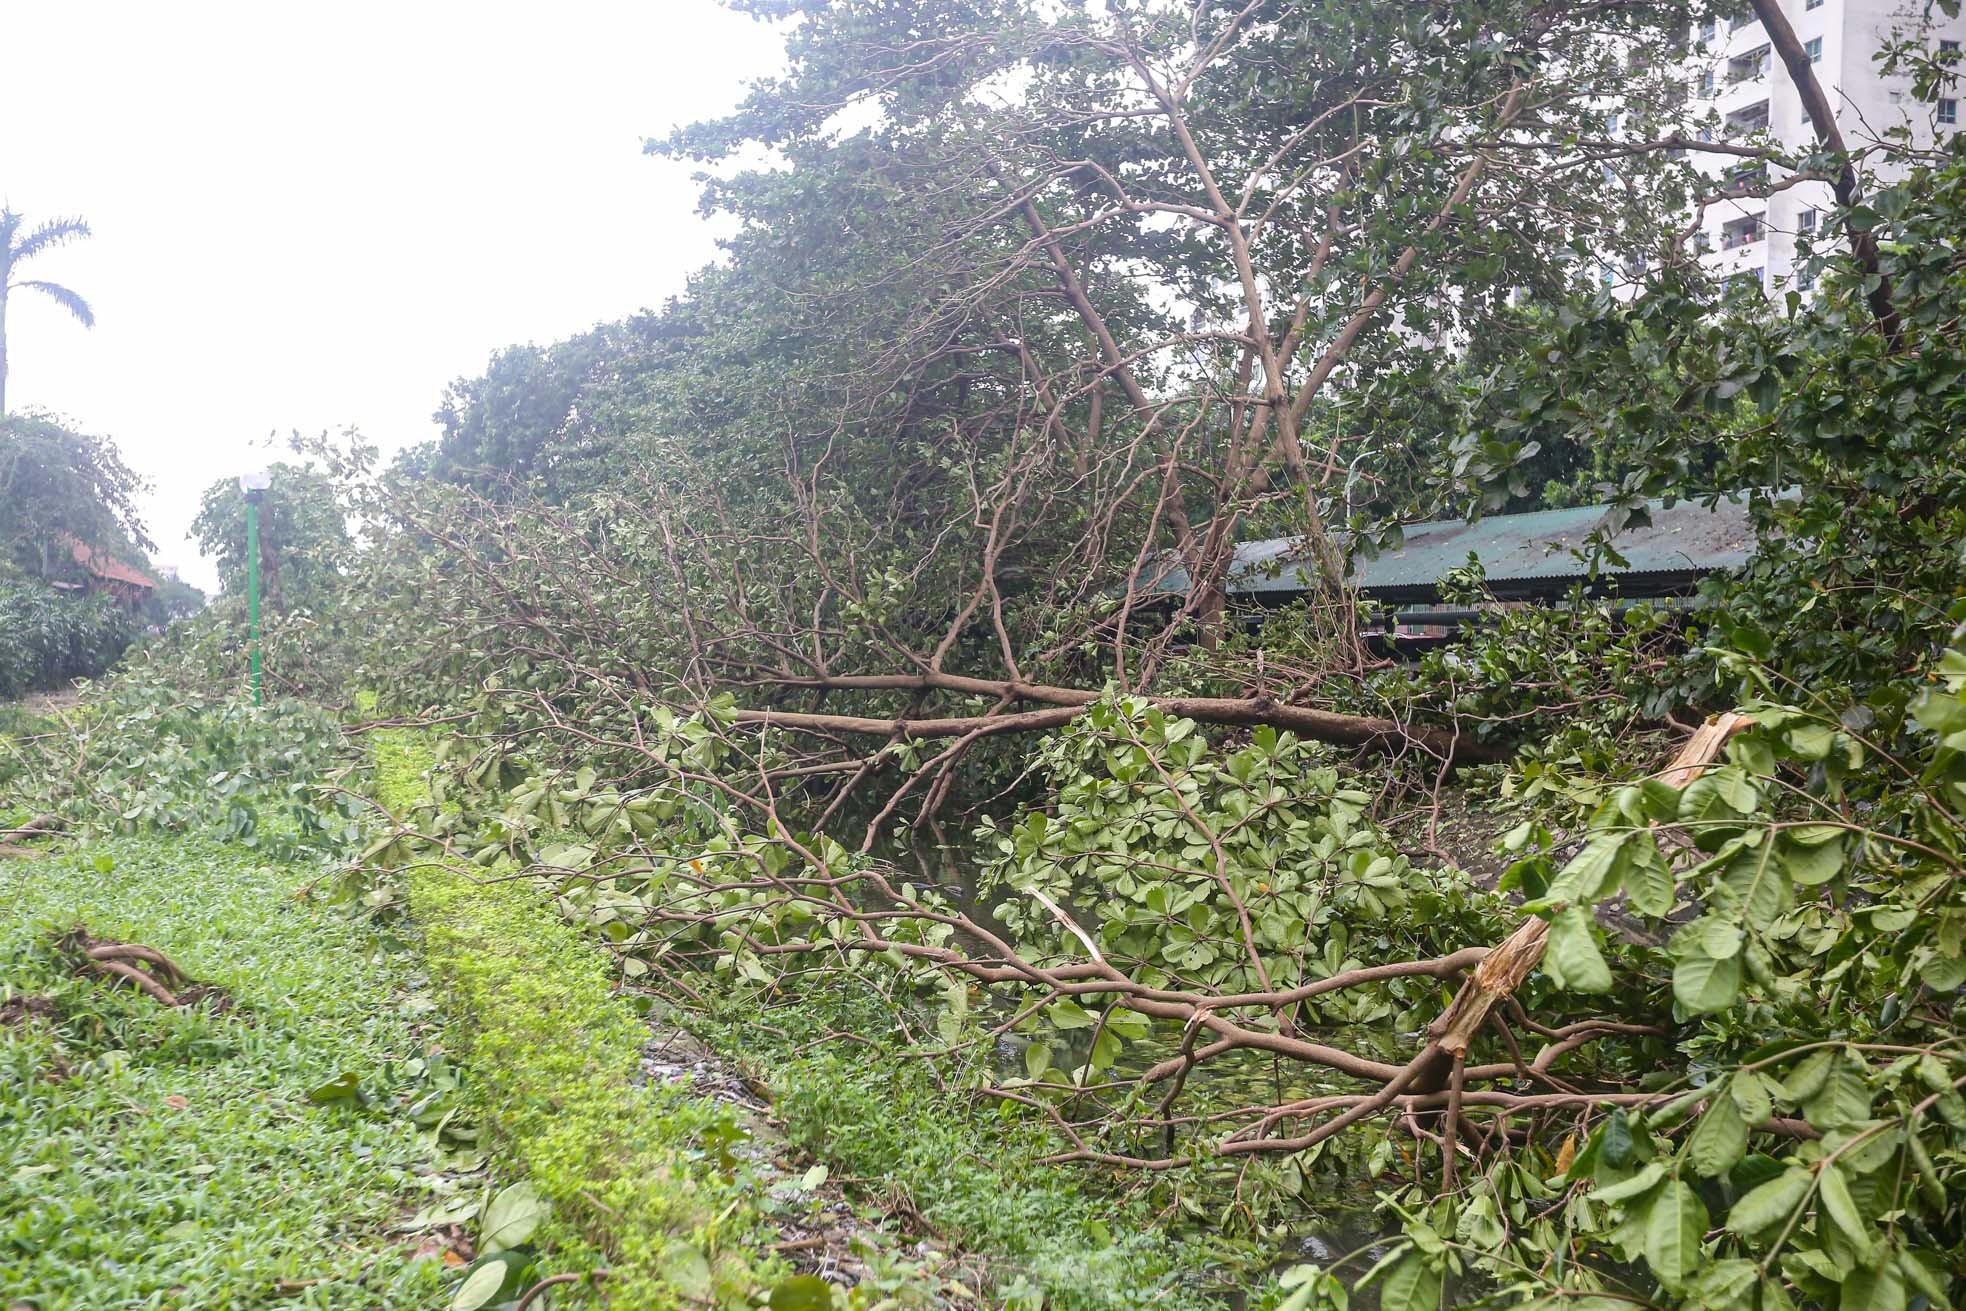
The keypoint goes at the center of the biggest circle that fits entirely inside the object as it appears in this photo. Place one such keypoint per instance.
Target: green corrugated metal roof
(1532, 552)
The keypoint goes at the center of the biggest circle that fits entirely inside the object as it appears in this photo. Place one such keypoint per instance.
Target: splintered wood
(1502, 971)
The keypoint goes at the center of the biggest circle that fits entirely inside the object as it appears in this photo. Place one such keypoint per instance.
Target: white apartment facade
(1737, 75)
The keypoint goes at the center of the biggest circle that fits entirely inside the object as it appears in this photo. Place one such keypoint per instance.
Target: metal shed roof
(1523, 554)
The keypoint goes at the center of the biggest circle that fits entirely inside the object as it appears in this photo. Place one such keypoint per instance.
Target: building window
(1948, 52)
(1739, 21)
(1949, 111)
(1752, 63)
(1746, 278)
(1706, 83)
(1712, 32)
(1813, 4)
(1805, 278)
(1814, 49)
(1805, 222)
(1736, 233)
(1754, 173)
(1748, 119)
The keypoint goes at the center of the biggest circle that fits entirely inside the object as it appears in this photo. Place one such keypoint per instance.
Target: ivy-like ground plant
(152, 1156)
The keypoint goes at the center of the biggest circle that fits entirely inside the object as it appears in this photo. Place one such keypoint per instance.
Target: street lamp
(254, 485)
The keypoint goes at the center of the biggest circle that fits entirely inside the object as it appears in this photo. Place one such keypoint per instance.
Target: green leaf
(1842, 1207)
(1037, 1059)
(1649, 882)
(1725, 1285)
(1637, 1186)
(1069, 1015)
(1412, 1285)
(1595, 871)
(1881, 1289)
(479, 1287)
(344, 1087)
(1571, 957)
(1843, 1099)
(1673, 1229)
(1812, 741)
(1750, 1093)
(1617, 1140)
(1812, 863)
(1701, 984)
(1718, 1140)
(1920, 1275)
(1806, 1079)
(1770, 1203)
(512, 1217)
(801, 1293)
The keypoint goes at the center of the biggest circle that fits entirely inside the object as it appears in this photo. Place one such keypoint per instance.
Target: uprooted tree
(863, 624)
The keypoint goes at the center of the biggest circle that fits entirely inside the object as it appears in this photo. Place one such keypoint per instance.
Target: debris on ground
(148, 970)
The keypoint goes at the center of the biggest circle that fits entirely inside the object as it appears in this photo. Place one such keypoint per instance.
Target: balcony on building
(1743, 231)
(1748, 120)
(1749, 64)
(1747, 176)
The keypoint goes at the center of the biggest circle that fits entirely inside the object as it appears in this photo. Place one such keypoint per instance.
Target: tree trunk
(3, 345)
(1795, 58)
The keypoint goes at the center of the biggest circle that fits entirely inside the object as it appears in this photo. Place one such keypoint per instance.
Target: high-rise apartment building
(1736, 74)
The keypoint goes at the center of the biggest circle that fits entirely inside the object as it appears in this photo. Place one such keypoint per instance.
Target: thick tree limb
(1322, 725)
(1801, 72)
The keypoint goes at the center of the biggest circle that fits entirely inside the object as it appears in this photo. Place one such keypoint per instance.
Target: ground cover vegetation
(849, 651)
(157, 1154)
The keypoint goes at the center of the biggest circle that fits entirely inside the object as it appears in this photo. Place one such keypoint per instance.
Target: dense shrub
(47, 638)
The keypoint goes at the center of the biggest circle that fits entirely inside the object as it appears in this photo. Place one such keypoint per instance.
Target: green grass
(179, 1162)
(639, 1180)
(1049, 1235)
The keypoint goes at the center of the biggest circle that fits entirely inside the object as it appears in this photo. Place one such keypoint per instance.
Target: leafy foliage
(143, 754)
(48, 639)
(57, 485)
(304, 543)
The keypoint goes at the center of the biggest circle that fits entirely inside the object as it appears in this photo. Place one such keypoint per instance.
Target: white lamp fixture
(257, 481)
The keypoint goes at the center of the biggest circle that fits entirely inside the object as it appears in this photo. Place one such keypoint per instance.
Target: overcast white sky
(317, 216)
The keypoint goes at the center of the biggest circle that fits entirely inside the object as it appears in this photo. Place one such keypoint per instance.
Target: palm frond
(67, 299)
(54, 232)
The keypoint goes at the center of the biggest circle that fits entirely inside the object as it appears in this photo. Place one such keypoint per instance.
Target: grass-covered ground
(152, 1157)
(639, 1180)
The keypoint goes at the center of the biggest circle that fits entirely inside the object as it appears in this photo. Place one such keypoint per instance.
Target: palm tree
(15, 250)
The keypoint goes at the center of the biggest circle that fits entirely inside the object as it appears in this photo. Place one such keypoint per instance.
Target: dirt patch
(18, 1011)
(43, 704)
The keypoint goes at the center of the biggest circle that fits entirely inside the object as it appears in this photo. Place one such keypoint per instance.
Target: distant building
(1526, 559)
(102, 572)
(1734, 72)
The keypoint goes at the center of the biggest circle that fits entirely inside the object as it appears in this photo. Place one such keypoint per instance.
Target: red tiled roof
(108, 567)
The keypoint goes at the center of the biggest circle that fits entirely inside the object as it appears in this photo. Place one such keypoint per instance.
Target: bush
(47, 639)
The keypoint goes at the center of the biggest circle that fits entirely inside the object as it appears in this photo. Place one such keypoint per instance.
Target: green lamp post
(254, 485)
